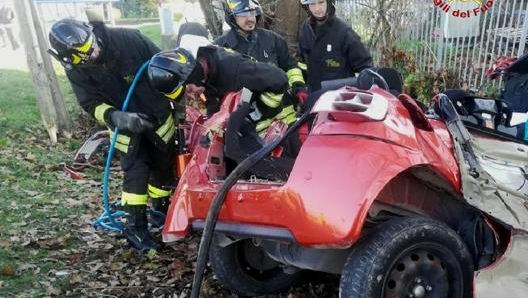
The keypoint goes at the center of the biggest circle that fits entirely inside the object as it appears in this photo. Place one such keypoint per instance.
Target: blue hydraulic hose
(107, 219)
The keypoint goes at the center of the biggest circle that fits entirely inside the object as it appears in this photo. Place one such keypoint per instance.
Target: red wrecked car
(399, 202)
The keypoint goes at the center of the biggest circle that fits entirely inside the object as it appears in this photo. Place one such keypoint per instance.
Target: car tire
(408, 257)
(246, 270)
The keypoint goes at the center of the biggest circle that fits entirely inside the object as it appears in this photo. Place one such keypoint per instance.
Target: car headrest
(457, 96)
(338, 83)
(391, 76)
(467, 104)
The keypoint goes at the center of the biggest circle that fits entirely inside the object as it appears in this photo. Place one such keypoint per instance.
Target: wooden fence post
(51, 103)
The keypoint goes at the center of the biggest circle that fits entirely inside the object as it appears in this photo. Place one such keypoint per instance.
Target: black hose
(219, 198)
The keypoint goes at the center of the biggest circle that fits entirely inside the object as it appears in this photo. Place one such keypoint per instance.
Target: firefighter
(216, 71)
(101, 63)
(328, 47)
(265, 46)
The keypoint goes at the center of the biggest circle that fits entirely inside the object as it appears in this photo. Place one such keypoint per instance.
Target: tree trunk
(64, 119)
(214, 23)
(287, 16)
(50, 100)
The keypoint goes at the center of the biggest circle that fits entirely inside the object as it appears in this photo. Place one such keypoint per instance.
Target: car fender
(352, 178)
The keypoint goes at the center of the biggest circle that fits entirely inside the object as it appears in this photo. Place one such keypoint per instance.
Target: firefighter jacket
(265, 46)
(103, 86)
(331, 51)
(230, 71)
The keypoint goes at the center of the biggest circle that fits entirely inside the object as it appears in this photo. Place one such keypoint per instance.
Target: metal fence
(464, 36)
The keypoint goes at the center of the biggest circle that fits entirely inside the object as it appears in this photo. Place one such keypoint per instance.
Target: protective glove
(302, 96)
(300, 92)
(132, 122)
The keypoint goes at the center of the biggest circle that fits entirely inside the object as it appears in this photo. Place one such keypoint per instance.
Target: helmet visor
(176, 93)
(307, 2)
(166, 82)
(81, 54)
(247, 13)
(243, 8)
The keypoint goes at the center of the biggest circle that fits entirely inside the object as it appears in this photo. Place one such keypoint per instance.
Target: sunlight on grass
(34, 186)
(42, 207)
(18, 105)
(153, 32)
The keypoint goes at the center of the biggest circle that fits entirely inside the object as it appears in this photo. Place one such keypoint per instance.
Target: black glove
(300, 92)
(132, 122)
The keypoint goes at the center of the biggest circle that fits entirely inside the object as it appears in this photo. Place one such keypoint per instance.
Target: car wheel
(408, 257)
(246, 270)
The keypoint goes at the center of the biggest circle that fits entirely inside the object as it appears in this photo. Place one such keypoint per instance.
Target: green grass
(33, 186)
(41, 206)
(153, 32)
(17, 101)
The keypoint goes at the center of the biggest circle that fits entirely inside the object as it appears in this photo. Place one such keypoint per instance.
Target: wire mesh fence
(463, 36)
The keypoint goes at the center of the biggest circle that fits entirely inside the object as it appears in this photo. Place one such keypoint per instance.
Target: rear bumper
(240, 230)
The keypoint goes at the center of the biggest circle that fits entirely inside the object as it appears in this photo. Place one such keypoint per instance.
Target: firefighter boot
(137, 232)
(160, 206)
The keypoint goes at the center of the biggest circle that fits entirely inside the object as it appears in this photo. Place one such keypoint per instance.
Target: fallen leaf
(7, 270)
(50, 290)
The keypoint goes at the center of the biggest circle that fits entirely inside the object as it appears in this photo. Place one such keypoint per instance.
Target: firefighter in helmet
(216, 71)
(265, 46)
(101, 63)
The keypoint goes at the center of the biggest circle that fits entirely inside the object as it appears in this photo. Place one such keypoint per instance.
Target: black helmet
(72, 40)
(240, 7)
(169, 70)
(330, 9)
(307, 2)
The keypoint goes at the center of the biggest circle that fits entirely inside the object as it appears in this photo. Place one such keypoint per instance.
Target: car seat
(471, 109)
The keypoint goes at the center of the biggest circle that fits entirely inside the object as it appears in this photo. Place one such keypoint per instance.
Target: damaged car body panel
(419, 196)
(494, 181)
(498, 186)
(508, 275)
(357, 176)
